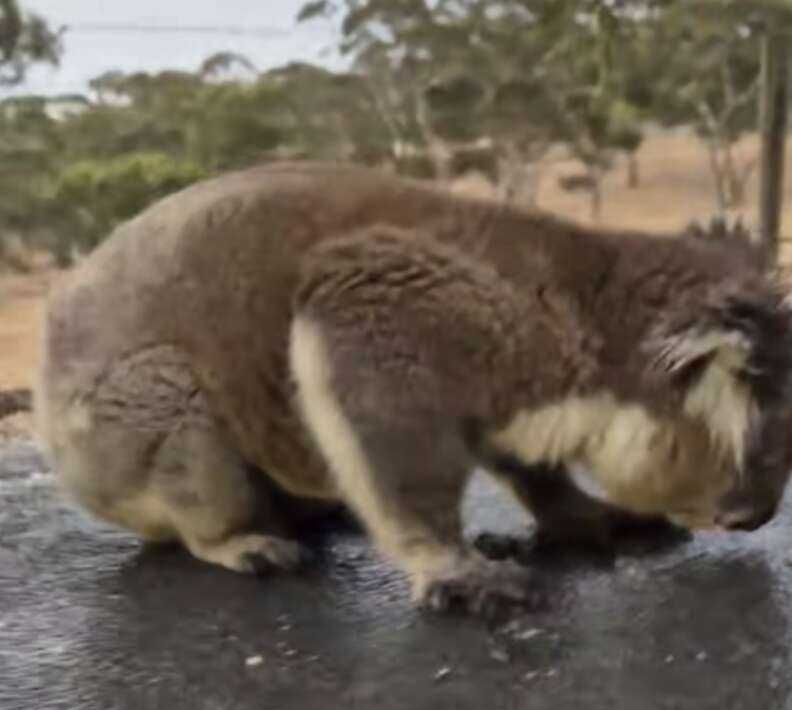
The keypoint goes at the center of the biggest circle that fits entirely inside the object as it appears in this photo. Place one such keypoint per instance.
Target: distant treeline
(434, 89)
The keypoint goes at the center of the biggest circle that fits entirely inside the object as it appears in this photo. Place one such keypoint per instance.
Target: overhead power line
(260, 31)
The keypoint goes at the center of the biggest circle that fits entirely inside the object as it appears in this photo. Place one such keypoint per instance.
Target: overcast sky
(268, 37)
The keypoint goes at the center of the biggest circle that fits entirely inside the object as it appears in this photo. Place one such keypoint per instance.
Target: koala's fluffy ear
(749, 337)
(682, 358)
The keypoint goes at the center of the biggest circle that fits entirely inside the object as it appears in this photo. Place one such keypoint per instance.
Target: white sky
(91, 52)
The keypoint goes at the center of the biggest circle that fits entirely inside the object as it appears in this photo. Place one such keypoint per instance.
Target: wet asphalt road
(89, 619)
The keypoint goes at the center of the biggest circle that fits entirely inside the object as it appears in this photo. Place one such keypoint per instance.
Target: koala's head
(728, 363)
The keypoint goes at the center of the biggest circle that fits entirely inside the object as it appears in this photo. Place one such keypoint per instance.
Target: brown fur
(165, 374)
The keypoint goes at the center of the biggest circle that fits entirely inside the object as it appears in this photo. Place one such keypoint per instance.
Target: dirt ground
(675, 187)
(21, 298)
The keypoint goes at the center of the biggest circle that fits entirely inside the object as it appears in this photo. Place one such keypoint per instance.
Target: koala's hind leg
(142, 450)
(404, 477)
(220, 507)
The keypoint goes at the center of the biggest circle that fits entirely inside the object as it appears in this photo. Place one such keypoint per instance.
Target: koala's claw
(481, 587)
(264, 554)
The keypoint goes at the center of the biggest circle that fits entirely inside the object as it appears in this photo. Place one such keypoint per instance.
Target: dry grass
(21, 298)
(675, 188)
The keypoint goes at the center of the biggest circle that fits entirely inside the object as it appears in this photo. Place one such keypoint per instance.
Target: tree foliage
(719, 98)
(145, 135)
(434, 88)
(521, 74)
(99, 194)
(587, 73)
(24, 38)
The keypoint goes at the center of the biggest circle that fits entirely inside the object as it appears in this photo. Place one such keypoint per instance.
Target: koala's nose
(746, 519)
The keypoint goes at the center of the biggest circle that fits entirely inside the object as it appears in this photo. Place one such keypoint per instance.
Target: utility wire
(260, 31)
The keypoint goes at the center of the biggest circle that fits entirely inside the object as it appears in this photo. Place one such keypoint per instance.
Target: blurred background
(642, 114)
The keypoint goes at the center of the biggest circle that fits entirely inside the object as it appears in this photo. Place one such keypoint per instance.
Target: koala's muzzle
(756, 497)
(747, 519)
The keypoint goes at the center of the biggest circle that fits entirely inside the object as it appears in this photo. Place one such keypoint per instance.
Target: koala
(261, 347)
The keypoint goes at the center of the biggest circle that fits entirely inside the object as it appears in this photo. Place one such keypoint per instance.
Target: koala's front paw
(478, 586)
(604, 534)
(626, 524)
(597, 538)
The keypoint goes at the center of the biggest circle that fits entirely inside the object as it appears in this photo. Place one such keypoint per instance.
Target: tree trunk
(533, 181)
(633, 175)
(773, 113)
(13, 401)
(729, 176)
(596, 194)
(717, 176)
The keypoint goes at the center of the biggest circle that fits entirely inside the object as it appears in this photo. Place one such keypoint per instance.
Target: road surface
(92, 620)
